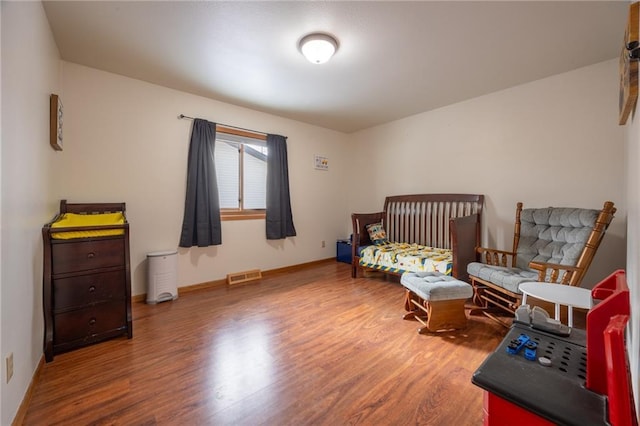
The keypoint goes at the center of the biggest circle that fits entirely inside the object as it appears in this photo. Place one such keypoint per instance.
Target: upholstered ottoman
(439, 297)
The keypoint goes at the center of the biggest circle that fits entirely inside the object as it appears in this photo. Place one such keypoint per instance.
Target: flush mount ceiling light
(318, 48)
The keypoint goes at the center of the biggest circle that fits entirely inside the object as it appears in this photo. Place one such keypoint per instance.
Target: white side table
(559, 294)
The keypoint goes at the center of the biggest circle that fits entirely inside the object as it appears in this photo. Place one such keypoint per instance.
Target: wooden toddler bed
(447, 224)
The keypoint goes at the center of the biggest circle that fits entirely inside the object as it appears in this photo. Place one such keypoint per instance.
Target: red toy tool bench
(587, 381)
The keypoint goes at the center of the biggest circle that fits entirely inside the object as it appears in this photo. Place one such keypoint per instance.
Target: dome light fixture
(318, 48)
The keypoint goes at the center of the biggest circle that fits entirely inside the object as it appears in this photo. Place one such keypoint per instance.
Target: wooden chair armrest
(496, 257)
(553, 272)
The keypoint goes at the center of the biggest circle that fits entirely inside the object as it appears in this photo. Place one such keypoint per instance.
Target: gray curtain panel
(279, 219)
(201, 223)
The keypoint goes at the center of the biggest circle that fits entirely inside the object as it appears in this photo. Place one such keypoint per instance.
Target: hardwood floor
(312, 346)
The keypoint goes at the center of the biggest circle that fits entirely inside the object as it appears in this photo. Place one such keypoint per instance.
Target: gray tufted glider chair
(551, 244)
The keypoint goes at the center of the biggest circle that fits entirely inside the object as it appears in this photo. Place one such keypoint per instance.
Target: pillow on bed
(377, 234)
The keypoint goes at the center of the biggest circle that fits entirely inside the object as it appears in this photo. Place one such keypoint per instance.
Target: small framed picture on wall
(56, 122)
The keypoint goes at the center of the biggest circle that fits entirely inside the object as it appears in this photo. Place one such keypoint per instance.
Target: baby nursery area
(319, 212)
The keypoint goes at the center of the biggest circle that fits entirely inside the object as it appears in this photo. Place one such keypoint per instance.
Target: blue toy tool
(516, 345)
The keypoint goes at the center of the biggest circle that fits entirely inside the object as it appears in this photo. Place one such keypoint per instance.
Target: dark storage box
(343, 251)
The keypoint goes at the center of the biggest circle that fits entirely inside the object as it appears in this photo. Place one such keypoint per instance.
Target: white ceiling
(395, 59)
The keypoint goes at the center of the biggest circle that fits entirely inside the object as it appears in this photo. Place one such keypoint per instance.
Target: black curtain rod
(181, 116)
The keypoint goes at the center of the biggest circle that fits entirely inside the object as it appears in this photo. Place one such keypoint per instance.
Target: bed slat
(425, 222)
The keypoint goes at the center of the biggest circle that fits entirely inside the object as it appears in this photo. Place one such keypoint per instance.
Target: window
(241, 172)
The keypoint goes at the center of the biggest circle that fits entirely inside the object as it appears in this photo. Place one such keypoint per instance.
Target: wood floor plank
(312, 346)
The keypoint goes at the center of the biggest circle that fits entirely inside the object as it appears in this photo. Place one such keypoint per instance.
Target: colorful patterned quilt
(402, 257)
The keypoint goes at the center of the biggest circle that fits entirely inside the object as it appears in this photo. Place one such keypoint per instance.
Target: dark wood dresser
(86, 282)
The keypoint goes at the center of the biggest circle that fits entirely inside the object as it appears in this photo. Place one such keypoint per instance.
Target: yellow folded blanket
(73, 220)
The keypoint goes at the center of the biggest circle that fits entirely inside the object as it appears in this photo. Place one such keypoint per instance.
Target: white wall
(30, 73)
(552, 142)
(124, 142)
(633, 250)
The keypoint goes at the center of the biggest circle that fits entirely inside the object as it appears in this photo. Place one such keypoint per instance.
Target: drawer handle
(92, 289)
(92, 321)
(91, 255)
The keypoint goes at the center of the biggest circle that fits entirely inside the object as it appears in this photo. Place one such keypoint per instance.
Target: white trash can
(162, 275)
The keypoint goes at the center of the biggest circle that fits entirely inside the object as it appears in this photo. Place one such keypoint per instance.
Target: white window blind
(254, 176)
(227, 157)
(241, 171)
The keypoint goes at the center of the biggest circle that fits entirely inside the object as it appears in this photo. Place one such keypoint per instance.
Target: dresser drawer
(86, 255)
(83, 290)
(86, 323)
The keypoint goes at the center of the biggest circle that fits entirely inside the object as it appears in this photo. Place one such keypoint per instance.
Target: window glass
(227, 158)
(254, 176)
(241, 172)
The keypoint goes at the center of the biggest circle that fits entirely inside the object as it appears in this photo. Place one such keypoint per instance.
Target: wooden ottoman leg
(446, 314)
(409, 305)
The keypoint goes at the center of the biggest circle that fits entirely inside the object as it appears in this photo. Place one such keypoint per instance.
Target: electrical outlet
(9, 366)
(322, 243)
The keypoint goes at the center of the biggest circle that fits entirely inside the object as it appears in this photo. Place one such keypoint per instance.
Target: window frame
(240, 213)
